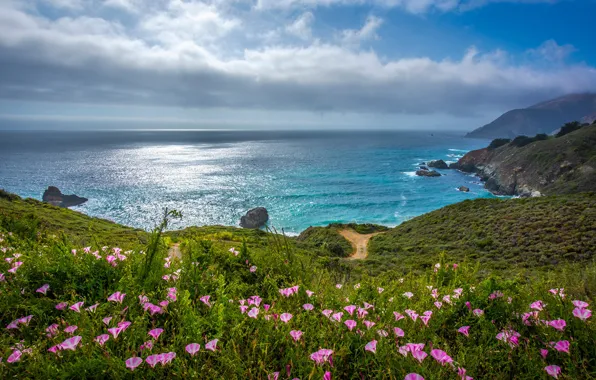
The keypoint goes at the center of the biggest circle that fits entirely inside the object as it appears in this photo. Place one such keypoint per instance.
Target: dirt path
(359, 242)
(174, 251)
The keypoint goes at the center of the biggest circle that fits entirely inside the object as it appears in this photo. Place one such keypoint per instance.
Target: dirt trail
(359, 242)
(174, 251)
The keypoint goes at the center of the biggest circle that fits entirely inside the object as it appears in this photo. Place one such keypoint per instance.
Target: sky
(311, 64)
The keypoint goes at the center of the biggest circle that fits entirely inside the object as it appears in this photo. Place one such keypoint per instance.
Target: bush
(568, 128)
(496, 143)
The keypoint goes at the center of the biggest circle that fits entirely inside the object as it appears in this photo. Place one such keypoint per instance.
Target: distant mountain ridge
(544, 117)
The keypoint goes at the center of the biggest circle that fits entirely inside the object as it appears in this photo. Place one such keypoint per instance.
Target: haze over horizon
(287, 64)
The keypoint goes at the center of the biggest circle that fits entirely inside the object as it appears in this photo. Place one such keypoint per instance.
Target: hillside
(556, 165)
(501, 234)
(543, 117)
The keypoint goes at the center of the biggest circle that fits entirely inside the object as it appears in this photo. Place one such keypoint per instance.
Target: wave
(458, 150)
(410, 174)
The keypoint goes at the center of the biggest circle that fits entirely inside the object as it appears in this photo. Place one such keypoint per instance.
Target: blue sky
(287, 63)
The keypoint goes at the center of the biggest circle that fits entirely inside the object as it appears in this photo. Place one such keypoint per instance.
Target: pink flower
(543, 353)
(205, 300)
(562, 346)
(14, 357)
(580, 304)
(413, 376)
(327, 376)
(309, 293)
(143, 299)
(243, 309)
(438, 305)
(133, 363)
(350, 309)
(92, 308)
(338, 286)
(398, 316)
(553, 370)
(253, 269)
(285, 317)
(350, 323)
(115, 331)
(25, 320)
(368, 324)
(253, 313)
(464, 330)
(211, 345)
(62, 306)
(148, 345)
(296, 335)
(441, 356)
(164, 303)
(371, 346)
(582, 314)
(43, 289)
(117, 297)
(412, 314)
(337, 316)
(155, 333)
(107, 320)
(71, 329)
(54, 349)
(558, 324)
(321, 356)
(408, 294)
(426, 317)
(380, 290)
(478, 312)
(537, 305)
(308, 306)
(71, 343)
(468, 305)
(193, 348)
(327, 313)
(419, 355)
(398, 332)
(152, 360)
(52, 330)
(102, 339)
(77, 307)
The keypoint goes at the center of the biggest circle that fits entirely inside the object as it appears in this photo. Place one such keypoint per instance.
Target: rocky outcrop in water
(464, 189)
(438, 164)
(255, 218)
(54, 196)
(428, 173)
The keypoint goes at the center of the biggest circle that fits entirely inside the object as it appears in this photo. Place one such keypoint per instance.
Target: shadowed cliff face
(560, 165)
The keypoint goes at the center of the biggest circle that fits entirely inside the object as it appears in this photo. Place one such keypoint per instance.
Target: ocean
(303, 178)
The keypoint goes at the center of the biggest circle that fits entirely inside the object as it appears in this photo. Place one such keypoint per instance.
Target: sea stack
(255, 218)
(54, 196)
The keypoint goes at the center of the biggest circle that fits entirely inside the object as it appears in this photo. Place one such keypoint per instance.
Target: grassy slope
(499, 234)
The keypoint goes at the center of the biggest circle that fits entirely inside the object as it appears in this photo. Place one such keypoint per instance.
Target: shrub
(568, 128)
(496, 143)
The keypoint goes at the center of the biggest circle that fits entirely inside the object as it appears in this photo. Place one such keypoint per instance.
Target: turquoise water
(302, 178)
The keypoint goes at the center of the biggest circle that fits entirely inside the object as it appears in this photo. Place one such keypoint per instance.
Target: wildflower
(25, 320)
(152, 360)
(133, 363)
(371, 346)
(468, 305)
(71, 329)
(61, 306)
(92, 308)
(205, 300)
(15, 266)
(296, 335)
(327, 312)
(285, 317)
(101, 339)
(124, 325)
(510, 337)
(537, 305)
(441, 357)
(412, 314)
(380, 290)
(253, 313)
(368, 324)
(43, 289)
(155, 333)
(362, 313)
(309, 293)
(14, 357)
(426, 317)
(419, 355)
(553, 370)
(321, 356)
(350, 309)
(403, 350)
(193, 348)
(558, 292)
(107, 320)
(148, 345)
(398, 332)
(398, 316)
(115, 331)
(368, 306)
(464, 330)
(253, 269)
(71, 343)
(350, 323)
(52, 330)
(543, 353)
(408, 295)
(437, 267)
(77, 307)
(478, 312)
(434, 293)
(54, 349)
(438, 305)
(327, 376)
(413, 376)
(211, 345)
(337, 316)
(558, 324)
(580, 304)
(562, 346)
(117, 297)
(582, 314)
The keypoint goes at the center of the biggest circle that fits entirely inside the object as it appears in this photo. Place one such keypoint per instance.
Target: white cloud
(126, 5)
(367, 32)
(301, 27)
(552, 51)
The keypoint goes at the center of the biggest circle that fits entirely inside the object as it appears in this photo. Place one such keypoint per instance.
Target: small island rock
(255, 218)
(438, 164)
(54, 196)
(426, 173)
(463, 189)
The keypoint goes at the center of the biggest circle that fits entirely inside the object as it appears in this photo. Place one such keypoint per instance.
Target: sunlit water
(302, 178)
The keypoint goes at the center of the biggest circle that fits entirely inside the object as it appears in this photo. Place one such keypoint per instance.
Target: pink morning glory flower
(117, 297)
(553, 370)
(398, 332)
(211, 345)
(413, 376)
(371, 346)
(193, 348)
(562, 346)
(296, 335)
(155, 333)
(62, 306)
(285, 317)
(582, 314)
(308, 306)
(102, 339)
(350, 309)
(253, 313)
(71, 343)
(580, 304)
(441, 356)
(205, 300)
(464, 330)
(133, 363)
(350, 323)
(71, 329)
(77, 307)
(43, 289)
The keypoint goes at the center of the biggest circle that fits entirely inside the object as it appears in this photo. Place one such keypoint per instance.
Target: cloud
(301, 27)
(367, 32)
(552, 51)
(183, 54)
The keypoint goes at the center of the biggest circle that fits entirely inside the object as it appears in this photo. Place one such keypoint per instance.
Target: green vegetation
(327, 240)
(257, 285)
(521, 141)
(568, 128)
(496, 143)
(513, 235)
